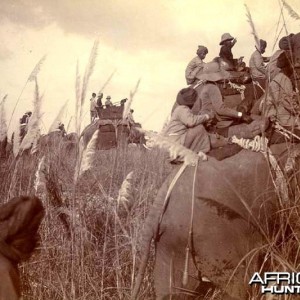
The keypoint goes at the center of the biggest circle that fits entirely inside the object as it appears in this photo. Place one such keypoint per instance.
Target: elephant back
(240, 186)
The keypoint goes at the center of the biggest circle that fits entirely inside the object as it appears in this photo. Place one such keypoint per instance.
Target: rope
(199, 83)
(189, 245)
(291, 160)
(257, 83)
(260, 144)
(285, 132)
(239, 88)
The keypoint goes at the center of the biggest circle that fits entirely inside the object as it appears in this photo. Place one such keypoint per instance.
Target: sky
(140, 39)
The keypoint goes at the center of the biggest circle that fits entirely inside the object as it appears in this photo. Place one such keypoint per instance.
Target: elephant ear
(225, 151)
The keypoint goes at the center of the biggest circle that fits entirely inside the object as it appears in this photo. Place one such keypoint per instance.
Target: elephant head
(216, 217)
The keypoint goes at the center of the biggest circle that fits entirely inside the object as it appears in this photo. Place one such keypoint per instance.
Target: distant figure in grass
(61, 127)
(25, 118)
(196, 65)
(108, 102)
(93, 107)
(20, 219)
(24, 124)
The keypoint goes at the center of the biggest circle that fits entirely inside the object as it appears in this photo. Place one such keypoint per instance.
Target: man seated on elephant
(286, 43)
(130, 118)
(196, 65)
(258, 74)
(186, 128)
(227, 43)
(228, 121)
(281, 103)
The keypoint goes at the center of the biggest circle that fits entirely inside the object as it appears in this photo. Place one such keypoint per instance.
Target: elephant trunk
(142, 269)
(151, 230)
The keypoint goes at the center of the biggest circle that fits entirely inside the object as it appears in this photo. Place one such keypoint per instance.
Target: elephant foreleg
(168, 277)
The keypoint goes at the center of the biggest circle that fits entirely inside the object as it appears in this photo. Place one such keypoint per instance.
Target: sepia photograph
(150, 149)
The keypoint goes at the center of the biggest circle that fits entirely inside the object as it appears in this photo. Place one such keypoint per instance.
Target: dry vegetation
(96, 203)
(90, 233)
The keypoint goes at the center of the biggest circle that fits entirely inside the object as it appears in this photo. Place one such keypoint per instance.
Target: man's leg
(248, 131)
(259, 92)
(197, 139)
(9, 280)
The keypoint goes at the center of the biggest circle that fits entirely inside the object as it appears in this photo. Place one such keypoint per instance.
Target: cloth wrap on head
(202, 50)
(19, 221)
(186, 96)
(262, 44)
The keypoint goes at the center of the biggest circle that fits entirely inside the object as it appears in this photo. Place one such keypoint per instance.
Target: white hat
(226, 37)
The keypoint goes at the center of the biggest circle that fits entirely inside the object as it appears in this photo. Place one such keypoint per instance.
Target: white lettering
(280, 290)
(283, 277)
(267, 289)
(270, 276)
(256, 279)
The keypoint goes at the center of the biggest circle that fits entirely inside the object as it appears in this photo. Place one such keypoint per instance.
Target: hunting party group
(202, 118)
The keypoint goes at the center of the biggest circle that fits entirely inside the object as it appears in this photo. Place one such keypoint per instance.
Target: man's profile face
(202, 55)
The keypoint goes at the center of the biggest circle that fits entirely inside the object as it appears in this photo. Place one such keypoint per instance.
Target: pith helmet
(212, 71)
(108, 97)
(226, 37)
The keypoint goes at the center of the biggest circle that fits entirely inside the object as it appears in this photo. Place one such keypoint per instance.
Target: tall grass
(3, 122)
(91, 231)
(108, 213)
(59, 118)
(131, 96)
(33, 131)
(31, 77)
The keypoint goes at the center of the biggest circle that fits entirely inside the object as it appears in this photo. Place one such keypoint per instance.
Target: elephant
(234, 213)
(51, 142)
(135, 135)
(112, 133)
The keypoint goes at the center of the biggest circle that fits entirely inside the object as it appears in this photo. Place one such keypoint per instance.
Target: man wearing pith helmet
(226, 43)
(228, 121)
(108, 101)
(195, 66)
